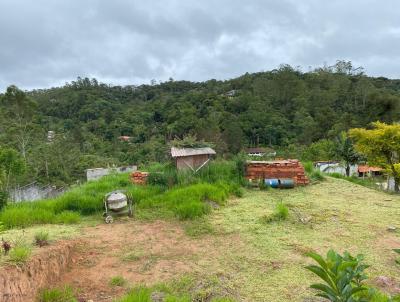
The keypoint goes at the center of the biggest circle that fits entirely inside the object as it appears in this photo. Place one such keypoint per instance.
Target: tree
(381, 146)
(20, 109)
(346, 152)
(11, 166)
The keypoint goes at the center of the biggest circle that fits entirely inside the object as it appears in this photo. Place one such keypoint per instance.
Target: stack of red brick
(139, 178)
(291, 168)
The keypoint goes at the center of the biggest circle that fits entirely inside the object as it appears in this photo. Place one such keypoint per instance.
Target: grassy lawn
(269, 263)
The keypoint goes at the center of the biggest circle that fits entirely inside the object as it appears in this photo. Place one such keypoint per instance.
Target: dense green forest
(298, 113)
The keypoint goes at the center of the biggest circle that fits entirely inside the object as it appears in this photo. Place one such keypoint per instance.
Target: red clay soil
(142, 253)
(19, 284)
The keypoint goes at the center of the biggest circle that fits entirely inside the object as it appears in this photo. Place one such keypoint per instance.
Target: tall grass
(188, 202)
(181, 194)
(312, 173)
(84, 200)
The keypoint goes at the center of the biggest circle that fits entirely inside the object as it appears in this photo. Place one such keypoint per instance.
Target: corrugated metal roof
(180, 152)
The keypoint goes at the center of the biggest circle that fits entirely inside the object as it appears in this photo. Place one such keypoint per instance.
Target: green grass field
(268, 265)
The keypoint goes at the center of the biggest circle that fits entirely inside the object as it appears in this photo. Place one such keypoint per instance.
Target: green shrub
(19, 255)
(41, 238)
(343, 276)
(64, 294)
(68, 217)
(117, 281)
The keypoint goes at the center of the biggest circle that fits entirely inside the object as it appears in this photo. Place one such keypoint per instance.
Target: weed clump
(64, 294)
(117, 281)
(19, 255)
(41, 238)
(280, 213)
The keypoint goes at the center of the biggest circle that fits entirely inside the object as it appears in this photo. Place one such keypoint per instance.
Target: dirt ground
(142, 253)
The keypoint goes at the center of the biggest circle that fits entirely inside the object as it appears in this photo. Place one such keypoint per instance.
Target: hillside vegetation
(298, 113)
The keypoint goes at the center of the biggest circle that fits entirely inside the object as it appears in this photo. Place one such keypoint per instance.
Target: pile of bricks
(291, 168)
(139, 178)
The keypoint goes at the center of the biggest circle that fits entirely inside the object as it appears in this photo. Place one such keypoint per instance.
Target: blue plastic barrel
(286, 183)
(272, 182)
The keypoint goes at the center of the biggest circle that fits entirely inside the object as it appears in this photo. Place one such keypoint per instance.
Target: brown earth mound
(19, 284)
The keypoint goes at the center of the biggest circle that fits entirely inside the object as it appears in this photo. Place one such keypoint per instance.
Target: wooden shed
(191, 158)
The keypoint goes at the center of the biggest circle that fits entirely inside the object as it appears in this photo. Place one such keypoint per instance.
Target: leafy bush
(19, 255)
(41, 238)
(64, 294)
(343, 276)
(117, 281)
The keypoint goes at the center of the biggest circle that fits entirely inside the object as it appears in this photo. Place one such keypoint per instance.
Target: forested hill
(283, 108)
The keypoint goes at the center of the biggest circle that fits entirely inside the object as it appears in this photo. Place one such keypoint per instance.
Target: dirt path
(142, 253)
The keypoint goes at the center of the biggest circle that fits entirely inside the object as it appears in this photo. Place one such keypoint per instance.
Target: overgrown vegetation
(309, 110)
(185, 195)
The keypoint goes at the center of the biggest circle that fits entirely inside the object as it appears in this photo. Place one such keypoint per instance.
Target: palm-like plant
(342, 276)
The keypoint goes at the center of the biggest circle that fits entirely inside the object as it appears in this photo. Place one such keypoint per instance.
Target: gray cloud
(48, 42)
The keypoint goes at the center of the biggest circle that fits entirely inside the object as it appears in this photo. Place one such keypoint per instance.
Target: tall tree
(20, 110)
(381, 146)
(346, 152)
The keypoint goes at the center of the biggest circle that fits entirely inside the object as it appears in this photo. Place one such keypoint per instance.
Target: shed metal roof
(182, 152)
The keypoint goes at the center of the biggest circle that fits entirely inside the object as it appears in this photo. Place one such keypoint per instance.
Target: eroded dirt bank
(21, 284)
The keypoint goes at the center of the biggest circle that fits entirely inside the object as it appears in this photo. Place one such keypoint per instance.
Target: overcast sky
(45, 43)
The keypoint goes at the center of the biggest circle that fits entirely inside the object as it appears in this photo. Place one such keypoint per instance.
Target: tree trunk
(347, 170)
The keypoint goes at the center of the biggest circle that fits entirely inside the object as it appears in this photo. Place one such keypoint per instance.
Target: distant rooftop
(181, 152)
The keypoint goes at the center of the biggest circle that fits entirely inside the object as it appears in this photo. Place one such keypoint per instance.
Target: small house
(191, 158)
(367, 171)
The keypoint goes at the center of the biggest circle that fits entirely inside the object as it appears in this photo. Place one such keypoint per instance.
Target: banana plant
(342, 276)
